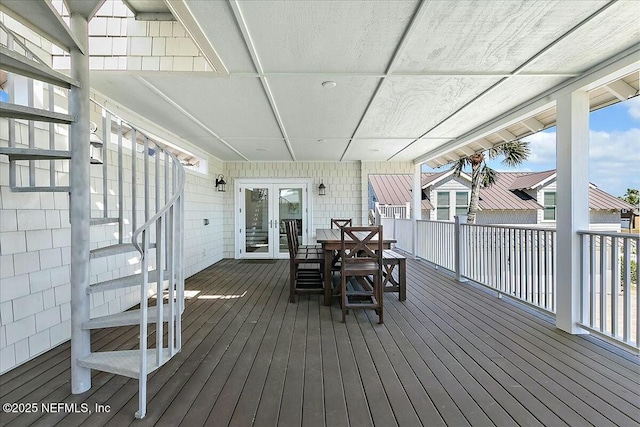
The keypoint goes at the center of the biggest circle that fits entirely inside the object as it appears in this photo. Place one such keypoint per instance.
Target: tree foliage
(514, 152)
(632, 196)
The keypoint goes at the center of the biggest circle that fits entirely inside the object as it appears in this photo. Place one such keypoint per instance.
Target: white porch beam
(572, 147)
(533, 124)
(620, 89)
(416, 205)
(616, 67)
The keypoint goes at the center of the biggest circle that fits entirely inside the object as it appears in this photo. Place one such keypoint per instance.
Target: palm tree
(514, 152)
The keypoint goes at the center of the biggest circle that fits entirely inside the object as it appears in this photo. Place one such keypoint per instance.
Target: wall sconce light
(220, 183)
(322, 189)
(96, 145)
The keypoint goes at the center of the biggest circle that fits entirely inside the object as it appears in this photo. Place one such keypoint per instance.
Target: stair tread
(41, 189)
(116, 249)
(125, 282)
(126, 362)
(20, 64)
(15, 111)
(103, 221)
(128, 318)
(15, 153)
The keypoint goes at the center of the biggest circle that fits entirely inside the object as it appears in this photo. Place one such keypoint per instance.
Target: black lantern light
(322, 189)
(220, 183)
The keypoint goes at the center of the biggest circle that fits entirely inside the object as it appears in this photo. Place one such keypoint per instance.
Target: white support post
(416, 201)
(79, 209)
(572, 147)
(457, 257)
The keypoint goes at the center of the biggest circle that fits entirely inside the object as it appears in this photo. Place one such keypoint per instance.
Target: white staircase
(154, 178)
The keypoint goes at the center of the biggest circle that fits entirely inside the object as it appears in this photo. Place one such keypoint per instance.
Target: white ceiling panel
(407, 107)
(485, 36)
(127, 90)
(326, 36)
(310, 110)
(374, 149)
(505, 96)
(615, 29)
(262, 149)
(230, 107)
(217, 21)
(311, 150)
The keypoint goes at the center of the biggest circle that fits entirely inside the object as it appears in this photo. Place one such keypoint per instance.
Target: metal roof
(531, 180)
(505, 194)
(395, 189)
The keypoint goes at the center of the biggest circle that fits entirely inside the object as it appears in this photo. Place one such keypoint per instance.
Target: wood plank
(451, 354)
(334, 395)
(595, 406)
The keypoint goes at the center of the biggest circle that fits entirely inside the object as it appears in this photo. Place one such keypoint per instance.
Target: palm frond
(459, 165)
(515, 153)
(489, 176)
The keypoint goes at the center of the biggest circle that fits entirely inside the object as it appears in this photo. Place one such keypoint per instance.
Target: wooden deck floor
(449, 355)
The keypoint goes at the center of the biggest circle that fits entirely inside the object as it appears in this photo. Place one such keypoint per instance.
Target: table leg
(327, 276)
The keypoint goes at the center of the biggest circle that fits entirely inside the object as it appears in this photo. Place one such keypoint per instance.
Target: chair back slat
(340, 222)
(290, 230)
(366, 244)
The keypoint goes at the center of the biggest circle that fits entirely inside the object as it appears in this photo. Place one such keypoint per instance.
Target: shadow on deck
(448, 355)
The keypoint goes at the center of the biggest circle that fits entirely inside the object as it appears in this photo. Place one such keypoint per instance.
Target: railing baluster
(615, 285)
(603, 283)
(134, 184)
(626, 298)
(106, 132)
(146, 178)
(142, 383)
(120, 186)
(12, 122)
(592, 281)
(52, 137)
(31, 129)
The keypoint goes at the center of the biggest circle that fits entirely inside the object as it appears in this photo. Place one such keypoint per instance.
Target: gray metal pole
(79, 209)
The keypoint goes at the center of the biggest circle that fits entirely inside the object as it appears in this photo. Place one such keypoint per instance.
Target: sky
(614, 148)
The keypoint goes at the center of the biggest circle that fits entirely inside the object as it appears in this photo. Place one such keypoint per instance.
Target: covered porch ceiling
(402, 80)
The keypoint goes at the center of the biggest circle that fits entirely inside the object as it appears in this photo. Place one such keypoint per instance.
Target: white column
(80, 208)
(416, 205)
(572, 147)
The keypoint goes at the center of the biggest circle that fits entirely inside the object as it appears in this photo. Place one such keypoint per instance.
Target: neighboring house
(516, 198)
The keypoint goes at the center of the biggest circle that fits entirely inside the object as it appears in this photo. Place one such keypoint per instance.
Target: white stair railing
(159, 240)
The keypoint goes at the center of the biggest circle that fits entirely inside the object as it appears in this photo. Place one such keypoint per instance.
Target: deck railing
(610, 277)
(516, 261)
(404, 234)
(435, 243)
(394, 211)
(521, 262)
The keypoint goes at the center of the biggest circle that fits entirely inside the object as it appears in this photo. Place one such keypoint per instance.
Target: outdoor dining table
(331, 240)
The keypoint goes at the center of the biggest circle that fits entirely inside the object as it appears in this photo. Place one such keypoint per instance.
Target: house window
(442, 207)
(462, 202)
(549, 206)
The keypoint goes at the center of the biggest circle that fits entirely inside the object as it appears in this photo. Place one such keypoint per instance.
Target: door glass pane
(256, 219)
(290, 207)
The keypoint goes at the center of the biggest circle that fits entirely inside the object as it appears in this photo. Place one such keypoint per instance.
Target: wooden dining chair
(305, 266)
(361, 269)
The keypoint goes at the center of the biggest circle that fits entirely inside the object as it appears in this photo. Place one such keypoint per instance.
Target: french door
(261, 206)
